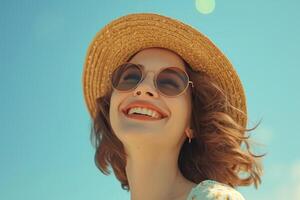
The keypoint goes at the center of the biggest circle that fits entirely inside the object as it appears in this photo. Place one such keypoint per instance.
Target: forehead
(153, 59)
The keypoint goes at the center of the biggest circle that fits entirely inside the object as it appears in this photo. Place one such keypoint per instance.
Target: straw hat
(117, 41)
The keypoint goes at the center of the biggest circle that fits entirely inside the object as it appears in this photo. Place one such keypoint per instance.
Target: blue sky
(44, 146)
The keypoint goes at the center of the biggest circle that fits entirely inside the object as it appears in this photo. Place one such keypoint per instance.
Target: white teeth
(144, 111)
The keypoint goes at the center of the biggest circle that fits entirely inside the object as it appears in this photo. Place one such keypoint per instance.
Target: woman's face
(165, 132)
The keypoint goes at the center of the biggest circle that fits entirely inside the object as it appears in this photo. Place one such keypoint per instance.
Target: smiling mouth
(141, 117)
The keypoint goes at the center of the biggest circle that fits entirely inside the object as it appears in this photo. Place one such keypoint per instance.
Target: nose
(146, 87)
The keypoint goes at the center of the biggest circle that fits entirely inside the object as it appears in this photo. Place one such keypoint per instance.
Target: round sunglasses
(169, 81)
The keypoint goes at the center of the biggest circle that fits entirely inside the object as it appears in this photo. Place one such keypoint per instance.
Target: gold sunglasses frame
(141, 68)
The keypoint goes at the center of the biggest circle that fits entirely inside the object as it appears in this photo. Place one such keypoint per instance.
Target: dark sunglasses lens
(126, 76)
(172, 81)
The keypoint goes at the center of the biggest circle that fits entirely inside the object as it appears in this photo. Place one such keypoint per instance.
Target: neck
(155, 175)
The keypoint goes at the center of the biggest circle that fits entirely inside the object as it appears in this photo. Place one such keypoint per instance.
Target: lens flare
(205, 6)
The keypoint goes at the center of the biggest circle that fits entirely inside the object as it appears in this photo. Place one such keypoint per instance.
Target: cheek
(180, 108)
(182, 111)
(181, 104)
(115, 101)
(180, 118)
(112, 102)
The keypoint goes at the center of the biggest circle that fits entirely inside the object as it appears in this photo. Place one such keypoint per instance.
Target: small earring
(188, 135)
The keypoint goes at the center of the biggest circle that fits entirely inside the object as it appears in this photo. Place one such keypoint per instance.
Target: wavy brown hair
(215, 152)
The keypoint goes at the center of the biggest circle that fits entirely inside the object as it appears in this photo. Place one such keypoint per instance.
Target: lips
(144, 104)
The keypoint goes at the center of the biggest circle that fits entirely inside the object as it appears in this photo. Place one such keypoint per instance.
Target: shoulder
(213, 190)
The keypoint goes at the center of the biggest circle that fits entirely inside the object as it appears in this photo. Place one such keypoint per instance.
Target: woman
(168, 111)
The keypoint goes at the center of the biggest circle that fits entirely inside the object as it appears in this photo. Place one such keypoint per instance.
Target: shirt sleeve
(213, 190)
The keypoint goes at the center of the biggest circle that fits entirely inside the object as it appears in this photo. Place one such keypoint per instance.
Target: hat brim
(116, 42)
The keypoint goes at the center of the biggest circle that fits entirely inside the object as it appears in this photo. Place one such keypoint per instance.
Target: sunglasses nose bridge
(151, 77)
(148, 79)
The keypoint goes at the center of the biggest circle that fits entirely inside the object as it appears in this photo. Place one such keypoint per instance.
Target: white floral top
(213, 190)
